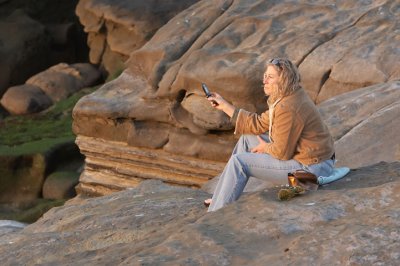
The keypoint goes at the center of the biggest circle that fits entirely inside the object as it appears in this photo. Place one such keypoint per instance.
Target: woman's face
(271, 79)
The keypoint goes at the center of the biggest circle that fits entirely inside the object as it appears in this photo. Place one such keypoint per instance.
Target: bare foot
(207, 202)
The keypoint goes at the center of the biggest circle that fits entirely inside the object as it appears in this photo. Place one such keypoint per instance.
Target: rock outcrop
(24, 168)
(23, 42)
(354, 221)
(157, 107)
(365, 124)
(117, 28)
(37, 35)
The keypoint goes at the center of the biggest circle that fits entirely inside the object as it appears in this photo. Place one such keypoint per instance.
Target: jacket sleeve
(286, 131)
(251, 123)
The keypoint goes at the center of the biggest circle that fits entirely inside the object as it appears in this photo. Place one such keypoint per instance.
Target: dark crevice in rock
(119, 120)
(324, 78)
(181, 95)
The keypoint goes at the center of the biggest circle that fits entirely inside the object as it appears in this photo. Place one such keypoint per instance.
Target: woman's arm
(245, 122)
(221, 104)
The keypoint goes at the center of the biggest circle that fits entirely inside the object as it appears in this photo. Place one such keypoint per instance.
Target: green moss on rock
(54, 123)
(29, 212)
(27, 144)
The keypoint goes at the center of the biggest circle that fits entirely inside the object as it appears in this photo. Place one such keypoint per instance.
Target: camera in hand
(207, 92)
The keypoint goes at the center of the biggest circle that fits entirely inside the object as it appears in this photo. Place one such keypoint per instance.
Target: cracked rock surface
(354, 221)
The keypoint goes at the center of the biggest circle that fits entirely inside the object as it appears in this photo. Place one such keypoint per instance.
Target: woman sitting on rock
(297, 137)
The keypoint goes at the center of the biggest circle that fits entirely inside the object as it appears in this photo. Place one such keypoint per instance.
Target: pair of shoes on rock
(207, 202)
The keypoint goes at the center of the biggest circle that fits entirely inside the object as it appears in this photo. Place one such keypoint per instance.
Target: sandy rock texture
(365, 124)
(157, 102)
(117, 28)
(354, 221)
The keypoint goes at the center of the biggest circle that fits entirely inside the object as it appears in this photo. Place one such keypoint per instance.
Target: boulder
(117, 28)
(354, 221)
(35, 36)
(62, 80)
(25, 99)
(49, 86)
(87, 74)
(22, 177)
(60, 185)
(24, 49)
(24, 167)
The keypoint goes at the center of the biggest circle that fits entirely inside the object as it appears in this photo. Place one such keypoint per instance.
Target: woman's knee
(238, 163)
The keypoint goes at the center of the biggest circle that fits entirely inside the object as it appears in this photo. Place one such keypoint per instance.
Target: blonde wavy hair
(289, 77)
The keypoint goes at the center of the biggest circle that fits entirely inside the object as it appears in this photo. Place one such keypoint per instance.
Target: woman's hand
(261, 147)
(217, 101)
(220, 103)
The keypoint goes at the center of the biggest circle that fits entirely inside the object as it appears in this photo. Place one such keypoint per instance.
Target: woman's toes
(207, 202)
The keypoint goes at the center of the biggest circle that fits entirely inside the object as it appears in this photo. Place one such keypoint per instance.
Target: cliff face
(354, 221)
(155, 111)
(117, 28)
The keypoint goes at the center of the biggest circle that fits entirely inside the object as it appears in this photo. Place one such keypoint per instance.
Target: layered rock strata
(112, 166)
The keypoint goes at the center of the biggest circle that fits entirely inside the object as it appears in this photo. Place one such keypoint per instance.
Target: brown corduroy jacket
(298, 131)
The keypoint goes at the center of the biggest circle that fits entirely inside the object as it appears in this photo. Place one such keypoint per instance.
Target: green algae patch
(53, 123)
(28, 212)
(32, 146)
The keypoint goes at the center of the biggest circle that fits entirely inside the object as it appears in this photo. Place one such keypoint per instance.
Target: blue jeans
(243, 164)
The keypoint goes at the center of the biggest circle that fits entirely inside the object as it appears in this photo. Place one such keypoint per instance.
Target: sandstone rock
(56, 85)
(60, 185)
(22, 177)
(50, 86)
(24, 42)
(357, 56)
(351, 222)
(87, 74)
(25, 99)
(61, 34)
(116, 28)
(23, 168)
(62, 80)
(357, 121)
(226, 44)
(9, 226)
(112, 166)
